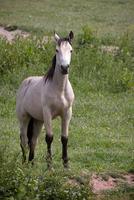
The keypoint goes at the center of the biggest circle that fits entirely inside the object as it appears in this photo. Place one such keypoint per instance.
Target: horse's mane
(50, 73)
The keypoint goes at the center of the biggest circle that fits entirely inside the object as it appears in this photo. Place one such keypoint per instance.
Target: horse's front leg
(49, 135)
(64, 135)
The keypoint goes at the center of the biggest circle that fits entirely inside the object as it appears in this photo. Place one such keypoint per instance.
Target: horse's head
(63, 52)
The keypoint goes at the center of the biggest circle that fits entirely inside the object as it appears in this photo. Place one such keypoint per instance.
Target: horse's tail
(30, 130)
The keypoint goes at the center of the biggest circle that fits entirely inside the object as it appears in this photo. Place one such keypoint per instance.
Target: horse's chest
(58, 105)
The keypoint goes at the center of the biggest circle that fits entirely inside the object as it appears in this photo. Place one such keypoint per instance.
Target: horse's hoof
(31, 162)
(51, 169)
(66, 165)
(23, 161)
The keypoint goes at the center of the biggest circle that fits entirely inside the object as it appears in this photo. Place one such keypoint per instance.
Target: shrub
(87, 36)
(19, 182)
(106, 70)
(24, 53)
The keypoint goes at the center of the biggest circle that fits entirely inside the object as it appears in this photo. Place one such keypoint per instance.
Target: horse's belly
(55, 112)
(37, 115)
(35, 110)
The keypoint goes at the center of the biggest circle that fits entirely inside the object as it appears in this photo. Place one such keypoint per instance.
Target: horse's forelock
(66, 39)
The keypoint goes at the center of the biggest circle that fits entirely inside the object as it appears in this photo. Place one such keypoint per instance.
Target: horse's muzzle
(64, 69)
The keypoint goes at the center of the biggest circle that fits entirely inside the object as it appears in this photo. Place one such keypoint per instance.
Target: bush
(110, 70)
(24, 53)
(18, 182)
(87, 36)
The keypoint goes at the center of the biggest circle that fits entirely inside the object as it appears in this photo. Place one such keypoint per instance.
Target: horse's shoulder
(69, 87)
(69, 93)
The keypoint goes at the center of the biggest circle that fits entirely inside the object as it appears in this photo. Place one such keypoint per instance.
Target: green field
(45, 16)
(101, 135)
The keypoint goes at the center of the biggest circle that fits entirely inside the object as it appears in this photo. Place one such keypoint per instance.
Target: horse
(40, 99)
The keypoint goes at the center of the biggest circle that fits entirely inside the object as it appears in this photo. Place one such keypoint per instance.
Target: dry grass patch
(10, 33)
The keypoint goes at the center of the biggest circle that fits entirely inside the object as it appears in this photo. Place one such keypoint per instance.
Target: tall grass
(111, 71)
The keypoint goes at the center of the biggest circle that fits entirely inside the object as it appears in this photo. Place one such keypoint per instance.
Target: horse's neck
(59, 80)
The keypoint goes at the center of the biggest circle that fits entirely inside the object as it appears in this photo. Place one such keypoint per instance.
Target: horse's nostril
(64, 66)
(64, 69)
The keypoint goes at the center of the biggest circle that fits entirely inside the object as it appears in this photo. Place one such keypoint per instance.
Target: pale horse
(40, 99)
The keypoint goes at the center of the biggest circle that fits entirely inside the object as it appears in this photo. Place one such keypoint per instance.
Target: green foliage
(87, 36)
(19, 182)
(24, 53)
(107, 67)
(23, 58)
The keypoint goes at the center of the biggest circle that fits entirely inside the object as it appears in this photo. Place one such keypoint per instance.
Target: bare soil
(10, 33)
(113, 50)
(100, 183)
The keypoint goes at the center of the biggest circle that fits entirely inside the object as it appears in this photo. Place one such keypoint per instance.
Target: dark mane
(49, 75)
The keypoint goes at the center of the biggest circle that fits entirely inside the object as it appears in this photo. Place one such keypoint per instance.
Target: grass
(101, 131)
(106, 17)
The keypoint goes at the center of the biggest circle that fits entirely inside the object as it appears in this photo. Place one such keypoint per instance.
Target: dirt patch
(100, 183)
(10, 33)
(113, 50)
(129, 178)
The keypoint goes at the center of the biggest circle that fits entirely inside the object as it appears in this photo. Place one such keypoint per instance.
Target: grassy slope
(104, 16)
(101, 131)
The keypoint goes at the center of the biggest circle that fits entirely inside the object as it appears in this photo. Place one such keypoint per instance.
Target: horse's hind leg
(23, 137)
(34, 129)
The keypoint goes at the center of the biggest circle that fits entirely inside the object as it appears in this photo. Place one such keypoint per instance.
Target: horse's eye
(57, 50)
(71, 51)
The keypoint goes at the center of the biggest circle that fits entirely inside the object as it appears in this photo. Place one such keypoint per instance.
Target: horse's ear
(71, 36)
(56, 37)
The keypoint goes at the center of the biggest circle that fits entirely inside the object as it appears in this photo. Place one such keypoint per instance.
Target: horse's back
(27, 84)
